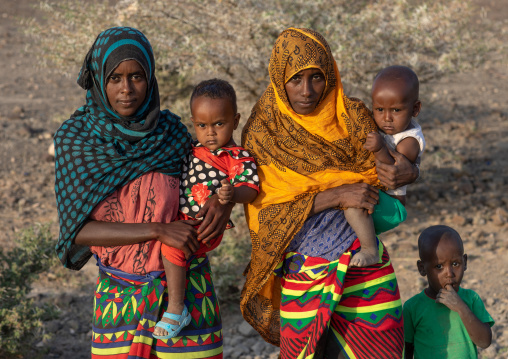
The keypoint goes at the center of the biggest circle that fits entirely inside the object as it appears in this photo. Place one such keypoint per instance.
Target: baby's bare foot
(365, 258)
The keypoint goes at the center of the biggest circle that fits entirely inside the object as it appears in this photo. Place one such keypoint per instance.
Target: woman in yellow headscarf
(307, 138)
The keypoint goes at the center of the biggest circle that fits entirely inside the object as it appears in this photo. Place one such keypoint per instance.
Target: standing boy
(444, 320)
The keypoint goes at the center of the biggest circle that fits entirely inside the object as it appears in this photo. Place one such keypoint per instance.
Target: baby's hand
(449, 297)
(226, 192)
(374, 142)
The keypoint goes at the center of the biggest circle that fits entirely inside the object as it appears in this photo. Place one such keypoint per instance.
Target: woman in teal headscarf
(117, 164)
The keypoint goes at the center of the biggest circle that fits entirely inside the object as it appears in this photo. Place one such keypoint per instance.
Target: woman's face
(126, 88)
(304, 90)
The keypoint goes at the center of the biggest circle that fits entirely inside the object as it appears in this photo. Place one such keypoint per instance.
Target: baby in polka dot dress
(216, 166)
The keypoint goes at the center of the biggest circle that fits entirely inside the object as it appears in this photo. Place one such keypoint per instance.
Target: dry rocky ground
(465, 185)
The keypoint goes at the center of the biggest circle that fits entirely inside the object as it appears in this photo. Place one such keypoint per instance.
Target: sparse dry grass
(20, 317)
(233, 39)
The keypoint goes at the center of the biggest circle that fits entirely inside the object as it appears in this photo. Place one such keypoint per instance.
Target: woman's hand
(355, 195)
(215, 219)
(181, 235)
(401, 173)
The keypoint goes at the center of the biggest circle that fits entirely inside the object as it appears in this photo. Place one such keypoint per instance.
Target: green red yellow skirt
(359, 308)
(127, 307)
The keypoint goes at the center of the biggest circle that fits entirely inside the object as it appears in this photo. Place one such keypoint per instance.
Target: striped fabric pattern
(360, 308)
(127, 307)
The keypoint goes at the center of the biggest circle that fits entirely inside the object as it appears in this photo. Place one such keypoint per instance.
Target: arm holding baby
(409, 148)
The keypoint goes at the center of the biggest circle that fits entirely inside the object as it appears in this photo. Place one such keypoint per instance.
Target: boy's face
(393, 105)
(214, 121)
(445, 266)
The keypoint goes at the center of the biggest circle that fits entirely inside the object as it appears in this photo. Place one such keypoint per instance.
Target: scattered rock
(228, 352)
(465, 186)
(238, 351)
(63, 300)
(17, 112)
(51, 150)
(490, 352)
(500, 217)
(259, 347)
(53, 326)
(490, 301)
(25, 131)
(458, 220)
(406, 247)
(494, 202)
(478, 220)
(249, 342)
(235, 340)
(246, 330)
(72, 324)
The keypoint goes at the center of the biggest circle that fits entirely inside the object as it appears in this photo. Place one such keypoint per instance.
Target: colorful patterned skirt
(359, 309)
(127, 307)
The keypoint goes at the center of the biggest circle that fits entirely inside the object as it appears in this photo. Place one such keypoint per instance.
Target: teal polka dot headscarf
(97, 150)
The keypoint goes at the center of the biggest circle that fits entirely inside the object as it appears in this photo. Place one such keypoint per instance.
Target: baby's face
(393, 106)
(214, 121)
(445, 266)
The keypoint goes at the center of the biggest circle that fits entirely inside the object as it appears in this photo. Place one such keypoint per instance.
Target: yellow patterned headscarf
(298, 156)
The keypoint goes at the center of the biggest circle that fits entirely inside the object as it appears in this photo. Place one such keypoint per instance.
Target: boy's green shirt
(438, 332)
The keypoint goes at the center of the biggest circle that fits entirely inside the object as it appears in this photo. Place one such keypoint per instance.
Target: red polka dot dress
(201, 178)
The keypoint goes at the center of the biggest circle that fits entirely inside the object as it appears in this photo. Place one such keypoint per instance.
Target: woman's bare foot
(366, 257)
(175, 308)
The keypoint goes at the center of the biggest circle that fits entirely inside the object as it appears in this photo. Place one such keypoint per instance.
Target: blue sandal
(173, 329)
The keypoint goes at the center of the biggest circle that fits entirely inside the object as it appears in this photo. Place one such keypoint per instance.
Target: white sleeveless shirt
(413, 130)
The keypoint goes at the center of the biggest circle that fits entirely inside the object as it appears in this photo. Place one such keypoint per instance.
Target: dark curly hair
(215, 89)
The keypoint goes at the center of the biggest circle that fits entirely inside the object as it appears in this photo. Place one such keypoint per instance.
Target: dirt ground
(464, 182)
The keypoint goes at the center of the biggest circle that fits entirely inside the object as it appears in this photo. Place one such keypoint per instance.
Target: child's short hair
(428, 239)
(215, 89)
(403, 73)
